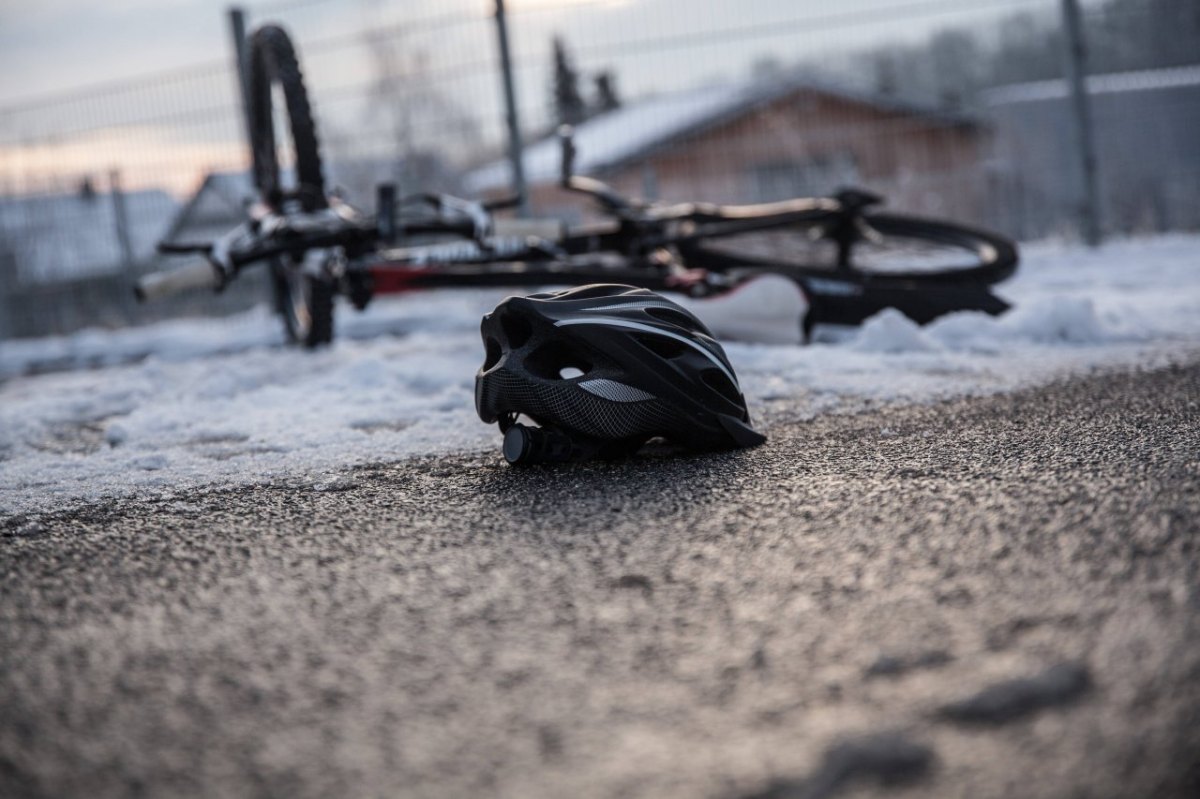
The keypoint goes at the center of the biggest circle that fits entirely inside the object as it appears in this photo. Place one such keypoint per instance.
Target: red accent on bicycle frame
(393, 280)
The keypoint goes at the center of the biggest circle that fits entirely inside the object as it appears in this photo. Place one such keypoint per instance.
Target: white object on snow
(767, 310)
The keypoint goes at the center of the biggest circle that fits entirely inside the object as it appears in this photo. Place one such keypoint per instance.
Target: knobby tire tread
(273, 62)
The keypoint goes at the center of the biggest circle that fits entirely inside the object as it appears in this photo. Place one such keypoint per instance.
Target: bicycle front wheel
(288, 175)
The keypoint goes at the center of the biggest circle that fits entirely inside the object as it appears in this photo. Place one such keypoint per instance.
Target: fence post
(237, 30)
(125, 300)
(1075, 58)
(511, 115)
(121, 220)
(8, 293)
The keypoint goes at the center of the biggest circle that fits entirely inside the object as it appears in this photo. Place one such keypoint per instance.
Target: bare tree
(956, 60)
(411, 131)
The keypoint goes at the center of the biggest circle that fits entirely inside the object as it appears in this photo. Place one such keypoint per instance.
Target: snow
(158, 410)
(889, 332)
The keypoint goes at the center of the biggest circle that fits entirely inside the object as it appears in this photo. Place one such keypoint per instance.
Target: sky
(144, 85)
(54, 46)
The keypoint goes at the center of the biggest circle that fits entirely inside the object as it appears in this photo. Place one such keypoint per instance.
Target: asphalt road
(995, 597)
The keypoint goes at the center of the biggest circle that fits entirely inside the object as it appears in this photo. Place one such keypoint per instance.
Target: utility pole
(511, 116)
(1075, 58)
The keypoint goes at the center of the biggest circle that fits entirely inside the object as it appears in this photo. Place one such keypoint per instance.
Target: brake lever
(476, 214)
(220, 254)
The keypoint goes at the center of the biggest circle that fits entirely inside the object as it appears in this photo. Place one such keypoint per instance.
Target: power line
(203, 69)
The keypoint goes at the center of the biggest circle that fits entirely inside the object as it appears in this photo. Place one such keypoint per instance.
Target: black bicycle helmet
(603, 368)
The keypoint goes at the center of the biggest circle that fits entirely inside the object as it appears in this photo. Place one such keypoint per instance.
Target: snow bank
(890, 331)
(201, 403)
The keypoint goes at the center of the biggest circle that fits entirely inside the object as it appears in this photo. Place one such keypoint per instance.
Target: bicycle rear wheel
(288, 175)
(893, 246)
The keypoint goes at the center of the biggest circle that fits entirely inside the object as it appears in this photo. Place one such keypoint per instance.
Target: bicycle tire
(305, 303)
(273, 63)
(905, 248)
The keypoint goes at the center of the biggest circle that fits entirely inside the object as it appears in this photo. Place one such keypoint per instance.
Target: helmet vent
(662, 346)
(672, 316)
(516, 329)
(716, 380)
(494, 352)
(554, 358)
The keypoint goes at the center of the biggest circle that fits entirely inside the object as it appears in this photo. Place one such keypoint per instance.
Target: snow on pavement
(224, 403)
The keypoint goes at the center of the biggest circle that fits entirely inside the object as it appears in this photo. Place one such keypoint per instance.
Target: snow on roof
(234, 188)
(63, 237)
(1146, 80)
(617, 135)
(220, 201)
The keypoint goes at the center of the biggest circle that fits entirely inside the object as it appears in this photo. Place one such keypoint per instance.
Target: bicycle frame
(317, 246)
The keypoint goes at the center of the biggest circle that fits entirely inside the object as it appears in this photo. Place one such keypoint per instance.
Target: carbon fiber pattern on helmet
(612, 390)
(569, 406)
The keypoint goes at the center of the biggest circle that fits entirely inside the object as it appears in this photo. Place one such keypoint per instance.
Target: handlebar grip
(198, 275)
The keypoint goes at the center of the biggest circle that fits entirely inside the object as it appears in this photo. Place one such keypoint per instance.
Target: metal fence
(672, 99)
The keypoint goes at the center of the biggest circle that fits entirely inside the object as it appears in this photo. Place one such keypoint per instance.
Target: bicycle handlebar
(641, 227)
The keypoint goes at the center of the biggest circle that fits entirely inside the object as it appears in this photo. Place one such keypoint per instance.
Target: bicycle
(848, 259)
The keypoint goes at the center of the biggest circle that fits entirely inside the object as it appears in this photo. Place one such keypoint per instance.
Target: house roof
(639, 128)
(67, 236)
(1112, 83)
